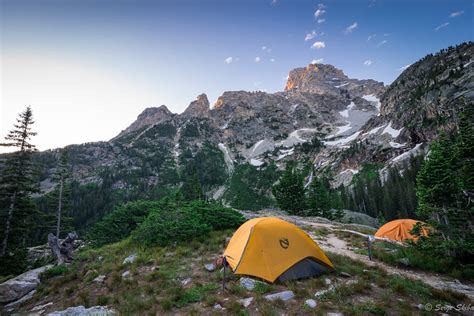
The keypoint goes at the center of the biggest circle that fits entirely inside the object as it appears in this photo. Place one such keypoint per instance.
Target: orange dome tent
(399, 230)
(273, 249)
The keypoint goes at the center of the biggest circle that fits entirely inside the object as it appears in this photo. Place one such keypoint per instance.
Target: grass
(393, 255)
(54, 271)
(156, 286)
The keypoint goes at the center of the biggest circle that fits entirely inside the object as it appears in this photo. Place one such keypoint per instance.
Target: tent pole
(223, 279)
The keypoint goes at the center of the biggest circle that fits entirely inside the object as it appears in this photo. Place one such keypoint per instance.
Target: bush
(120, 223)
(161, 228)
(184, 222)
(216, 216)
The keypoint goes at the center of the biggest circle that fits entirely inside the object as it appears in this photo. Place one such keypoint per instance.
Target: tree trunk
(53, 243)
(58, 224)
(62, 251)
(8, 225)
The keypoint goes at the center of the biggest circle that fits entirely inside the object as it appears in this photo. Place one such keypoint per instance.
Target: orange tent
(273, 249)
(399, 230)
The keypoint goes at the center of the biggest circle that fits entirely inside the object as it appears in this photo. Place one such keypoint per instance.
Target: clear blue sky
(97, 64)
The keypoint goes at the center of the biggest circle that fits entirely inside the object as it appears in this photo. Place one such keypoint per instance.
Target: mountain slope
(322, 118)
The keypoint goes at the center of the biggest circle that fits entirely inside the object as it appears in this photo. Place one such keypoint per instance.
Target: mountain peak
(313, 77)
(198, 107)
(327, 79)
(149, 116)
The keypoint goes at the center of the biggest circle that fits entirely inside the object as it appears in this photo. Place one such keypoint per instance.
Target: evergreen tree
(16, 186)
(437, 182)
(439, 190)
(318, 199)
(191, 188)
(465, 144)
(289, 192)
(62, 174)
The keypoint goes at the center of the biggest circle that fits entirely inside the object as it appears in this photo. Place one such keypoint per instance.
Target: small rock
(82, 311)
(366, 271)
(130, 259)
(89, 272)
(218, 306)
(334, 314)
(127, 275)
(41, 307)
(246, 301)
(421, 306)
(310, 303)
(210, 267)
(345, 274)
(327, 281)
(284, 295)
(186, 281)
(322, 292)
(99, 279)
(248, 283)
(404, 261)
(100, 258)
(154, 268)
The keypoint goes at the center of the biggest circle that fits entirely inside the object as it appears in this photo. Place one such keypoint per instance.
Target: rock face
(327, 79)
(148, 117)
(199, 107)
(426, 97)
(16, 288)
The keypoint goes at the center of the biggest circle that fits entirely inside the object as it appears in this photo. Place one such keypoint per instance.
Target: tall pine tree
(289, 192)
(318, 201)
(16, 186)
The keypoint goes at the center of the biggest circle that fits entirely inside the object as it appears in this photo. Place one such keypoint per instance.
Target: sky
(88, 68)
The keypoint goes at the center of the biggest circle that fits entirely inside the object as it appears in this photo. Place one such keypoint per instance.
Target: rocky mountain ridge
(322, 117)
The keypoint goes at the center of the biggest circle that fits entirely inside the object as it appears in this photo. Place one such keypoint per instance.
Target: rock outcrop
(148, 117)
(199, 107)
(16, 288)
(327, 79)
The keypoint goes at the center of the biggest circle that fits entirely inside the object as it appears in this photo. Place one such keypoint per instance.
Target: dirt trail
(336, 245)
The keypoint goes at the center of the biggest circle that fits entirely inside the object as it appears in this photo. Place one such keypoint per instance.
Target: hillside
(174, 280)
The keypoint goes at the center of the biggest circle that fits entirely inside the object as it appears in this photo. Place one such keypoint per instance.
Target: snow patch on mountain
(227, 159)
(390, 130)
(407, 154)
(256, 162)
(372, 98)
(345, 113)
(294, 138)
(342, 141)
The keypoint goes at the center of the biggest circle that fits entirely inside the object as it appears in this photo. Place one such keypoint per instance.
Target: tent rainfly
(275, 250)
(399, 230)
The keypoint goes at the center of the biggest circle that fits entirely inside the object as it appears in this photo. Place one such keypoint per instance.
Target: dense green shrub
(185, 222)
(216, 216)
(123, 220)
(162, 228)
(163, 222)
